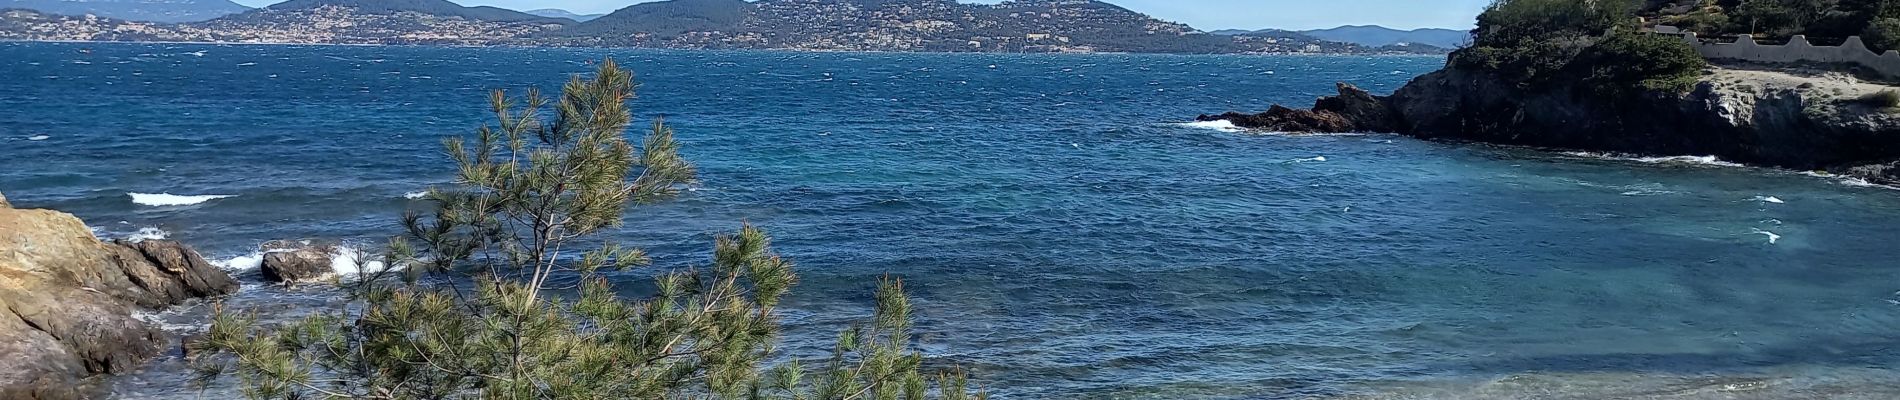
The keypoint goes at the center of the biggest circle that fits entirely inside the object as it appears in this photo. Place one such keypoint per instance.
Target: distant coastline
(1023, 26)
(786, 50)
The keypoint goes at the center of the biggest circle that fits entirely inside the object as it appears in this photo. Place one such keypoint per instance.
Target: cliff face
(66, 301)
(1806, 122)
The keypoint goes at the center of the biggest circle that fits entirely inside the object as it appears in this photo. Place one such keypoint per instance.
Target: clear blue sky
(1203, 14)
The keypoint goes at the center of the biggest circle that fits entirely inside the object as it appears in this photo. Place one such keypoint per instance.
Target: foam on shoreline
(1219, 125)
(1710, 161)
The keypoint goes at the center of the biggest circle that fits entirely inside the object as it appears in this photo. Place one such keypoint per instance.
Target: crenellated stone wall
(1798, 50)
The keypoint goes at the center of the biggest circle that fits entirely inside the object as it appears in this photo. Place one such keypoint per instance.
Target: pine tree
(475, 311)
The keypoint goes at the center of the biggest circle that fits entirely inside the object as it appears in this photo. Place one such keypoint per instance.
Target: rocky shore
(1803, 120)
(67, 301)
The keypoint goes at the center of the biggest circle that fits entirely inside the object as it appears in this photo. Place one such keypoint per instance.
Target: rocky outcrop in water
(1353, 110)
(67, 301)
(1797, 120)
(298, 265)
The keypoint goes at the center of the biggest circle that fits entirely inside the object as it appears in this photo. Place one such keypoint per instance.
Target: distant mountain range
(136, 10)
(1373, 35)
(832, 25)
(559, 13)
(439, 8)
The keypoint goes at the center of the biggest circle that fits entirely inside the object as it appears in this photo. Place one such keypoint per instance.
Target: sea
(1066, 229)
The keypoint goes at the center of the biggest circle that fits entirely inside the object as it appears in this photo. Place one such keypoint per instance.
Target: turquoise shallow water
(1066, 235)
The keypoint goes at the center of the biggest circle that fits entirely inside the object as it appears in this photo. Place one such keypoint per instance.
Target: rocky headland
(1788, 118)
(68, 301)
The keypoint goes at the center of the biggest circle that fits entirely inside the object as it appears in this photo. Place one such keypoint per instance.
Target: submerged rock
(66, 301)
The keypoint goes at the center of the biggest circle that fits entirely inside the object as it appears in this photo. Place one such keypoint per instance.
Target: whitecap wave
(1691, 160)
(37, 138)
(1312, 159)
(1647, 192)
(1768, 199)
(168, 199)
(416, 195)
(1219, 125)
(1772, 237)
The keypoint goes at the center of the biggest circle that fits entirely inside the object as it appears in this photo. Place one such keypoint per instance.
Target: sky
(1202, 14)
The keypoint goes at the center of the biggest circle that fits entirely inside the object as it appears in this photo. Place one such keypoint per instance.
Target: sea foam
(1219, 125)
(1848, 180)
(347, 261)
(148, 233)
(168, 199)
(1690, 160)
(1682, 160)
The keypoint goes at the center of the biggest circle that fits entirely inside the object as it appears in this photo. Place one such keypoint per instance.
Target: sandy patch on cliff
(1811, 83)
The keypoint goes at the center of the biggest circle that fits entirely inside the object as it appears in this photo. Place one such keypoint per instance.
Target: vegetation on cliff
(1536, 43)
(1876, 20)
(506, 292)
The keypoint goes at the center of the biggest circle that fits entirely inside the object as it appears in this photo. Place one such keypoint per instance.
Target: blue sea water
(1066, 233)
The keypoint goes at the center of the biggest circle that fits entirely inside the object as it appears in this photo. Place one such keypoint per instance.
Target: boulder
(66, 301)
(3, 201)
(201, 279)
(302, 265)
(169, 271)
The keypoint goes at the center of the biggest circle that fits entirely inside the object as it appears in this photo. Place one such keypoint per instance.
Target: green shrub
(1883, 34)
(1531, 41)
(1528, 64)
(1539, 42)
(1628, 60)
(1702, 21)
(1511, 23)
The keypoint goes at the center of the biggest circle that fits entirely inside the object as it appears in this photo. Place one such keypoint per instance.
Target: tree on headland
(501, 292)
(1538, 42)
